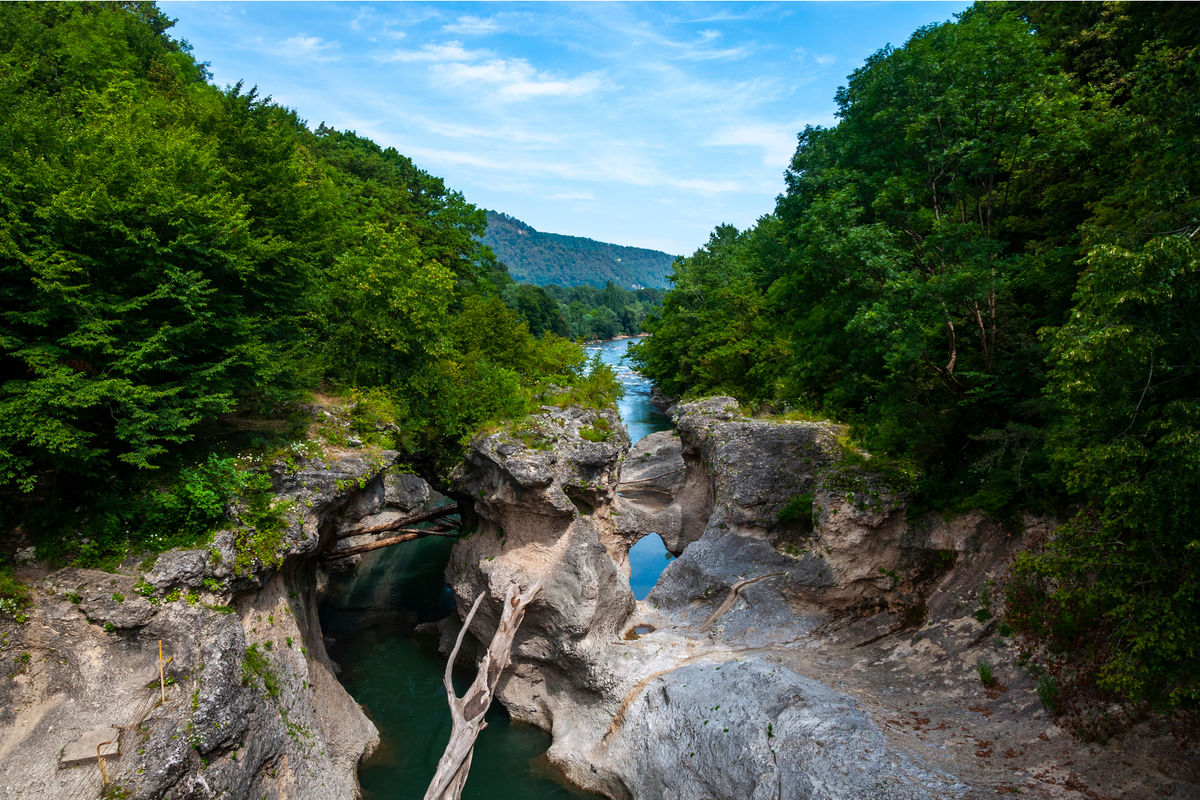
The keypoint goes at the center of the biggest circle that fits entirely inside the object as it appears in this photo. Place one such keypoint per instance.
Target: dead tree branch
(401, 522)
(406, 535)
(466, 713)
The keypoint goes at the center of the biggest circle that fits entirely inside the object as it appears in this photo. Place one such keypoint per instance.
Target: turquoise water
(647, 559)
(397, 678)
(639, 416)
(649, 556)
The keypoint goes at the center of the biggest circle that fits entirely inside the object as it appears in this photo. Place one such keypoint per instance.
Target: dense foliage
(545, 258)
(989, 268)
(180, 262)
(604, 313)
(581, 312)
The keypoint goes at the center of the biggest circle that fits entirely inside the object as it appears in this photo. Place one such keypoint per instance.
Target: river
(397, 678)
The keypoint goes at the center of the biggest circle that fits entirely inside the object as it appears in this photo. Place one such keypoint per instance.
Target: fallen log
(466, 712)
(401, 522)
(407, 535)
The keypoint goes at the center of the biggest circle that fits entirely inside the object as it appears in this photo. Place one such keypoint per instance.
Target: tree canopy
(173, 254)
(987, 267)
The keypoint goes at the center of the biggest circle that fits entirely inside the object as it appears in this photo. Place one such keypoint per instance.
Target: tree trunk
(406, 535)
(466, 713)
(400, 522)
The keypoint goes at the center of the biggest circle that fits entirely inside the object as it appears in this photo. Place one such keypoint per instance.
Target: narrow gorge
(809, 641)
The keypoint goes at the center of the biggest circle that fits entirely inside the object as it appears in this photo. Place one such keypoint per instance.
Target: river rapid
(371, 613)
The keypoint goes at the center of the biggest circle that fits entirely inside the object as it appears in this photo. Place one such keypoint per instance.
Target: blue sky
(645, 124)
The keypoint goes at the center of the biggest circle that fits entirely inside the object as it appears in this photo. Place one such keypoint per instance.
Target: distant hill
(546, 258)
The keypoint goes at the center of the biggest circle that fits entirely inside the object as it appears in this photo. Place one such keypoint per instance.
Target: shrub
(986, 675)
(798, 509)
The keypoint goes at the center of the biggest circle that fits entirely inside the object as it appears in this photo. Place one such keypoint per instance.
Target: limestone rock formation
(809, 642)
(252, 708)
(652, 476)
(610, 698)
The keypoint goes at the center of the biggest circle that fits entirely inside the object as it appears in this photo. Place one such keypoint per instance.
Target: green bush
(598, 388)
(598, 431)
(255, 666)
(987, 675)
(798, 509)
(14, 595)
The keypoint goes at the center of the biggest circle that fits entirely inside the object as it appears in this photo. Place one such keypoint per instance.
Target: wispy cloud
(603, 167)
(517, 79)
(310, 48)
(777, 141)
(821, 59)
(705, 45)
(507, 131)
(435, 53)
(474, 26)
(371, 21)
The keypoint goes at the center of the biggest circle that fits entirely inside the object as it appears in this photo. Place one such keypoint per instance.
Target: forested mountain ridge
(990, 268)
(552, 258)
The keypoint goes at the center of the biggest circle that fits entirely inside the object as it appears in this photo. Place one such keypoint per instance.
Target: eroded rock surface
(808, 642)
(252, 706)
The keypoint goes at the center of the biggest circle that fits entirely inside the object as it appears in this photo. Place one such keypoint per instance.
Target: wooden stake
(162, 683)
(466, 713)
(103, 767)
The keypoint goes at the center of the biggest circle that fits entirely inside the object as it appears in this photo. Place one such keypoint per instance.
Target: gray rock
(775, 658)
(115, 604)
(750, 730)
(183, 568)
(276, 726)
(405, 491)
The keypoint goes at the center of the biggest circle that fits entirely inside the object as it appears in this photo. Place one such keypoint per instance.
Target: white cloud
(517, 79)
(473, 26)
(704, 47)
(777, 142)
(310, 48)
(821, 59)
(573, 196)
(602, 167)
(370, 20)
(435, 53)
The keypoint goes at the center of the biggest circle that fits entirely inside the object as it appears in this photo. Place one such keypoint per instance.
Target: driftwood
(406, 535)
(401, 522)
(466, 713)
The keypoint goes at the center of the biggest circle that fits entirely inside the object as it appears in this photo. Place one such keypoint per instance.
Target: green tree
(1126, 376)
